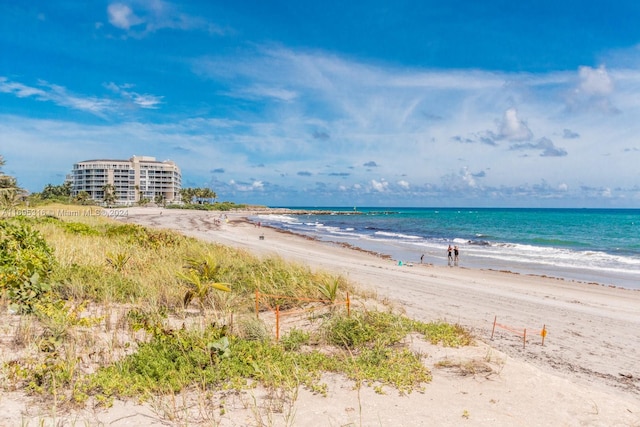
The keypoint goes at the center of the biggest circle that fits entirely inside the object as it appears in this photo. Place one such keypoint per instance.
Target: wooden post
(524, 339)
(543, 333)
(277, 323)
(494, 326)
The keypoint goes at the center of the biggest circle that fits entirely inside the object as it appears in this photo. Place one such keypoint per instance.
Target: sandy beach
(587, 373)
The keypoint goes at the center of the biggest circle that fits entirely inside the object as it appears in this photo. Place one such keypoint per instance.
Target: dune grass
(127, 311)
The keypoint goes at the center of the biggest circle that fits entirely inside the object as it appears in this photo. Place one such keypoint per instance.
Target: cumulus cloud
(512, 128)
(595, 81)
(462, 181)
(592, 92)
(246, 186)
(404, 184)
(379, 186)
(121, 16)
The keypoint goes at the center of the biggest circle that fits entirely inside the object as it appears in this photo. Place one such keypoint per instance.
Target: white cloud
(60, 95)
(19, 90)
(593, 91)
(121, 16)
(595, 81)
(311, 111)
(512, 128)
(380, 186)
(545, 144)
(142, 100)
(257, 92)
(57, 94)
(153, 15)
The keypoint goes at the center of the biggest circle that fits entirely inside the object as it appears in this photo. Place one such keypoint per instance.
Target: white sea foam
(481, 252)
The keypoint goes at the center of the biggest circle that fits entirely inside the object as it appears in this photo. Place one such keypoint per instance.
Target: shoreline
(475, 266)
(408, 253)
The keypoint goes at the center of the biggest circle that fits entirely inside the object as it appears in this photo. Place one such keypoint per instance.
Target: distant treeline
(217, 206)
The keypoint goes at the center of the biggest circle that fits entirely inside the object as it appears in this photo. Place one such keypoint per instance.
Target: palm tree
(109, 194)
(9, 190)
(83, 198)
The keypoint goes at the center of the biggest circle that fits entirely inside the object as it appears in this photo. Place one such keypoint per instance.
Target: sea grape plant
(25, 264)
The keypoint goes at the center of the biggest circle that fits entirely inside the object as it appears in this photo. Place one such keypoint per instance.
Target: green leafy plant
(295, 339)
(220, 348)
(199, 280)
(329, 289)
(25, 262)
(118, 260)
(26, 294)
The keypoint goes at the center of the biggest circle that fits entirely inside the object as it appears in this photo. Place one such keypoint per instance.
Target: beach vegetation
(103, 314)
(52, 193)
(9, 190)
(329, 289)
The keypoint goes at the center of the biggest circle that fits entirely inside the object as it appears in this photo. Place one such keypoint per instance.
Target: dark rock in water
(479, 242)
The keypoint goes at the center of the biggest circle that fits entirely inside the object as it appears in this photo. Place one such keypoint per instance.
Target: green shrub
(80, 229)
(25, 264)
(365, 327)
(253, 329)
(295, 339)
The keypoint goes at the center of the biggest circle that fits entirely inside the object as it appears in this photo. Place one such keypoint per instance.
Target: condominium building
(140, 177)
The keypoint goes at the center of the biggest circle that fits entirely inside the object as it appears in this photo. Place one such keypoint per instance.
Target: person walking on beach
(450, 254)
(456, 252)
(421, 258)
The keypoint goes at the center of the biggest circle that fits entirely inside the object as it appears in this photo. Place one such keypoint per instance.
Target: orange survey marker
(278, 313)
(543, 332)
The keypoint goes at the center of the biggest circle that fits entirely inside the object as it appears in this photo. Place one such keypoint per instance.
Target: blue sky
(300, 103)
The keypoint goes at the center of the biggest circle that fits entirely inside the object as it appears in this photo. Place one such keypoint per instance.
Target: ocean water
(589, 245)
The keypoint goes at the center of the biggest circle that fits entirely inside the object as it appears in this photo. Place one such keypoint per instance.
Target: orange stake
(524, 339)
(543, 333)
(348, 306)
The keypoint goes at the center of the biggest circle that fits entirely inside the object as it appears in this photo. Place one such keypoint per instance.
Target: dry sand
(587, 373)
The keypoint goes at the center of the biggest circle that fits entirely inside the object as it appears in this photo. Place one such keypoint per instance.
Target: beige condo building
(140, 177)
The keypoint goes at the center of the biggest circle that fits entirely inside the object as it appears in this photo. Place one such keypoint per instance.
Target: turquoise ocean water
(591, 245)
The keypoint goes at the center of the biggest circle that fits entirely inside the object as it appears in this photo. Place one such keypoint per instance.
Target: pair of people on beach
(453, 253)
